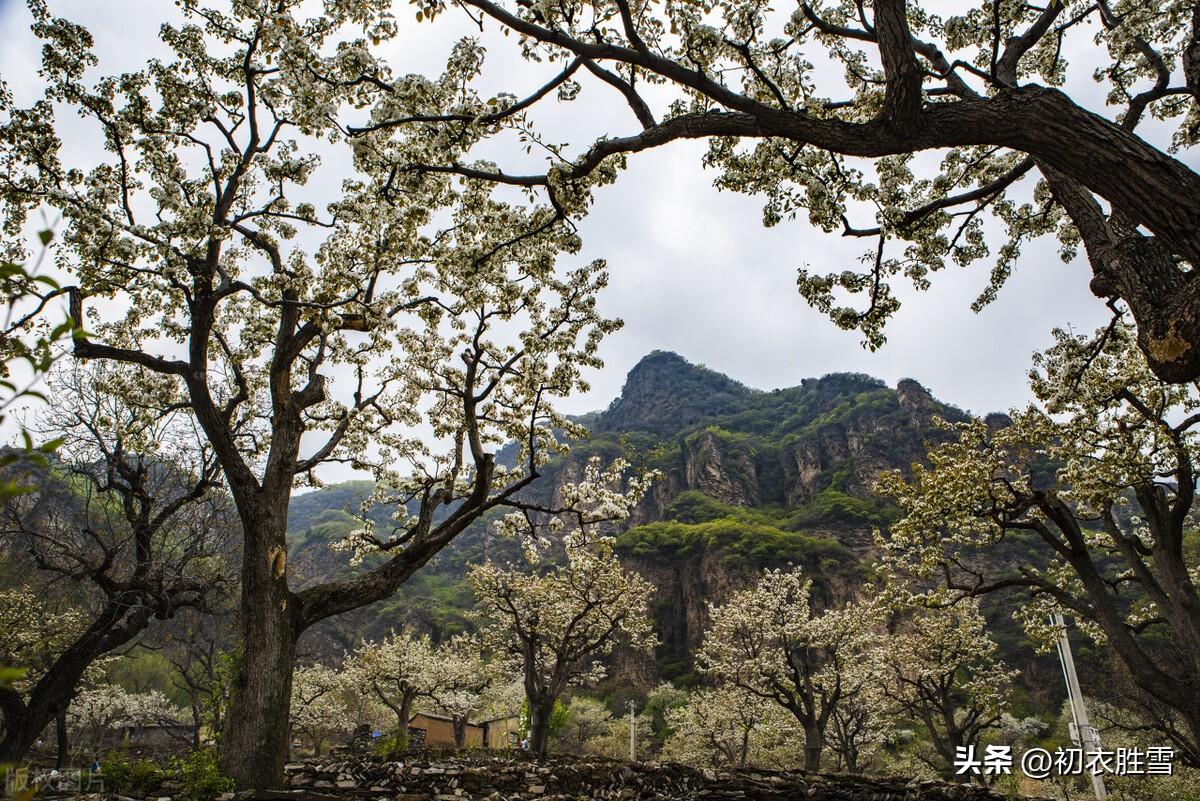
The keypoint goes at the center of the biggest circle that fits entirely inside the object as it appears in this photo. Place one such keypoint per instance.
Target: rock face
(562, 778)
(722, 471)
(665, 393)
(683, 588)
(916, 401)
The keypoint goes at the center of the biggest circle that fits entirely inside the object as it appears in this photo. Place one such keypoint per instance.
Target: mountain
(751, 479)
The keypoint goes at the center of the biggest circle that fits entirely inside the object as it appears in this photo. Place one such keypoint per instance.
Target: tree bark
(814, 745)
(1164, 300)
(254, 743)
(539, 727)
(64, 743)
(460, 732)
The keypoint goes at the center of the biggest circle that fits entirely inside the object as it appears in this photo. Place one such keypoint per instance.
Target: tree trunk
(851, 759)
(949, 749)
(405, 715)
(25, 720)
(197, 724)
(460, 732)
(254, 742)
(539, 727)
(814, 744)
(64, 744)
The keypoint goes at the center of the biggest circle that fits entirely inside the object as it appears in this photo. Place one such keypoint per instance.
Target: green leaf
(45, 236)
(52, 445)
(8, 675)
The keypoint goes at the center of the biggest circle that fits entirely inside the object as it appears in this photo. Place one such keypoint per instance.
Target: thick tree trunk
(25, 720)
(851, 759)
(539, 727)
(948, 747)
(254, 742)
(405, 715)
(814, 745)
(460, 732)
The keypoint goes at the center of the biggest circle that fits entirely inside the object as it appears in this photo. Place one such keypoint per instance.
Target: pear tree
(943, 672)
(728, 727)
(101, 708)
(408, 324)
(130, 513)
(1085, 506)
(554, 625)
(768, 641)
(397, 671)
(938, 134)
(319, 709)
(460, 679)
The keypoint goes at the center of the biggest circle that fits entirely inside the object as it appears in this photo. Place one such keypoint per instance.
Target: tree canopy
(1099, 477)
(824, 108)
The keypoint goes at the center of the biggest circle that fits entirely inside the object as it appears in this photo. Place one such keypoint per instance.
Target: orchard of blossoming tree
(290, 348)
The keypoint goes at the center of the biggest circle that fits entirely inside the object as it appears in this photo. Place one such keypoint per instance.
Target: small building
(437, 731)
(502, 732)
(156, 735)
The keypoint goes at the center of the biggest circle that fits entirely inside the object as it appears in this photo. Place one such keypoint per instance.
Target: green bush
(391, 745)
(200, 779)
(128, 776)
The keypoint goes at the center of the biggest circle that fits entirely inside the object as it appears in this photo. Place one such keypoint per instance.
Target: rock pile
(502, 778)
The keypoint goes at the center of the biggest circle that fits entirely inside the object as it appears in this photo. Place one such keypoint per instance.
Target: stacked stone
(496, 778)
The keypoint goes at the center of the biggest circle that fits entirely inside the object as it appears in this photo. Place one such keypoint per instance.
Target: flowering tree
(318, 709)
(460, 679)
(98, 710)
(587, 721)
(943, 672)
(728, 727)
(127, 513)
(397, 671)
(299, 335)
(859, 725)
(1100, 473)
(33, 632)
(767, 641)
(822, 107)
(553, 626)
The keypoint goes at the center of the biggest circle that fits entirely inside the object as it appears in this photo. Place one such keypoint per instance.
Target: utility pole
(1082, 732)
(632, 730)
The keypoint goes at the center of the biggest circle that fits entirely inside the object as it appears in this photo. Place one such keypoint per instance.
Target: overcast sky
(693, 270)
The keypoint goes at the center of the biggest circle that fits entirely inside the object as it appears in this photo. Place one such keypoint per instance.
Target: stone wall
(507, 778)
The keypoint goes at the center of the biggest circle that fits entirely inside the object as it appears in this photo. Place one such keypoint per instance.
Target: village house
(437, 731)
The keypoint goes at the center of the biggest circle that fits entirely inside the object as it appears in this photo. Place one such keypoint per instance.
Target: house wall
(501, 732)
(440, 733)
